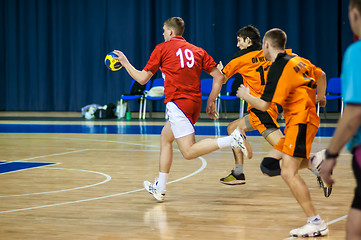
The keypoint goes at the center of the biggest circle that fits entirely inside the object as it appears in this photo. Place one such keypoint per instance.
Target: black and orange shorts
(263, 122)
(297, 141)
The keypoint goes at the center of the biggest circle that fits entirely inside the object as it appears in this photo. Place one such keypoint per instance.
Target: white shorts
(181, 126)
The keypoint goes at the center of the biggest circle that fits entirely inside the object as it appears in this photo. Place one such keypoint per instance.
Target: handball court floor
(63, 177)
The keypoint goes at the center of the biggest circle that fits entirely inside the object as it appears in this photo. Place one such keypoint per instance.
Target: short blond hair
(277, 38)
(175, 23)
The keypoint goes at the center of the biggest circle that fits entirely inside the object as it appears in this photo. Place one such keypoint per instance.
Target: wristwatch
(330, 155)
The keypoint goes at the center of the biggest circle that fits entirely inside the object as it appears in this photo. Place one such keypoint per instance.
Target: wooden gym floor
(77, 185)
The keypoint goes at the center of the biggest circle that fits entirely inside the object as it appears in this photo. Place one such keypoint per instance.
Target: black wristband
(330, 155)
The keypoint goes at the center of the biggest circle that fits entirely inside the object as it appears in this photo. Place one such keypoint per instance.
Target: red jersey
(181, 64)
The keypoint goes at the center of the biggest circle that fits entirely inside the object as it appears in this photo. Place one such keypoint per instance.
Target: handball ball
(112, 63)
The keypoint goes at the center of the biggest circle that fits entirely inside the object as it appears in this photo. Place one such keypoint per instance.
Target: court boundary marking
(108, 178)
(204, 164)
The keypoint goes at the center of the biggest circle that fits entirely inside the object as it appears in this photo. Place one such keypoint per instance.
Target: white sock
(162, 181)
(224, 141)
(314, 219)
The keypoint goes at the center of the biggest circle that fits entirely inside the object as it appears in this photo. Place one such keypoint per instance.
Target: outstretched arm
(257, 102)
(141, 77)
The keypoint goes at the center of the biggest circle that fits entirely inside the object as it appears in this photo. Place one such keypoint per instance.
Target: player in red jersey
(181, 64)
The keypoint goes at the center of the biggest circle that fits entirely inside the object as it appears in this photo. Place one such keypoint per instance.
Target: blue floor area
(125, 129)
(6, 167)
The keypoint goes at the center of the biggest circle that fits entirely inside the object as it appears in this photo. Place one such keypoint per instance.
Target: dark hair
(251, 33)
(177, 24)
(356, 4)
(277, 37)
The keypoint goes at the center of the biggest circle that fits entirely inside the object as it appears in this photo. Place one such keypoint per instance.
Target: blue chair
(128, 97)
(333, 92)
(228, 97)
(206, 87)
(158, 82)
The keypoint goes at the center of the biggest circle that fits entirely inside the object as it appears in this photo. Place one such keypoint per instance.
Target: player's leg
(236, 176)
(191, 149)
(296, 147)
(315, 226)
(273, 135)
(289, 173)
(353, 225)
(158, 188)
(182, 114)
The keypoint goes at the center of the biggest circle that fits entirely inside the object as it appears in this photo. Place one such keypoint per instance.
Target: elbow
(142, 81)
(264, 106)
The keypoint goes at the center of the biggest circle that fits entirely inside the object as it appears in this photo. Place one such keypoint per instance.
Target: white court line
(50, 155)
(204, 164)
(108, 178)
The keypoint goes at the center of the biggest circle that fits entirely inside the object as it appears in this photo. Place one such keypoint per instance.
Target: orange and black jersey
(292, 82)
(252, 65)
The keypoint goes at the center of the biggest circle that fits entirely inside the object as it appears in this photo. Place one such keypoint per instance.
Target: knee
(188, 155)
(271, 167)
(287, 175)
(232, 126)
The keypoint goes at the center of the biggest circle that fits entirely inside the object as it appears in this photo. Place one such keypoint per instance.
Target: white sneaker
(310, 230)
(316, 162)
(317, 159)
(152, 189)
(239, 141)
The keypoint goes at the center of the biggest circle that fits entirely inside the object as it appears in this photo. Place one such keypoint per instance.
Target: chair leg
(141, 107)
(144, 107)
(218, 106)
(241, 108)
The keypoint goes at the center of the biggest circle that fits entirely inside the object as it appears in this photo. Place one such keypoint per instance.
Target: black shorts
(356, 203)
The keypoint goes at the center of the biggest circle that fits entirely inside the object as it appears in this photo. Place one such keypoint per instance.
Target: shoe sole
(321, 233)
(234, 182)
(327, 190)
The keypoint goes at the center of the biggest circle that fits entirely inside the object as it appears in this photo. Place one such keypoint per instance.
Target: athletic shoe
(233, 179)
(239, 141)
(316, 162)
(310, 230)
(152, 189)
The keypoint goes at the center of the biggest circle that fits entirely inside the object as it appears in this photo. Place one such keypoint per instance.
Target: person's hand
(211, 110)
(121, 57)
(321, 101)
(326, 169)
(220, 66)
(242, 91)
